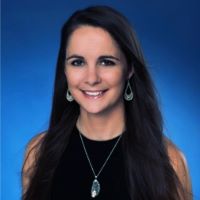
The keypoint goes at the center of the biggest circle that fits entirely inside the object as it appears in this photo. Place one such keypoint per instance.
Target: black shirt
(73, 177)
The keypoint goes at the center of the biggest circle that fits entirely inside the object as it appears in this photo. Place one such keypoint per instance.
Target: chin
(99, 109)
(99, 106)
(93, 111)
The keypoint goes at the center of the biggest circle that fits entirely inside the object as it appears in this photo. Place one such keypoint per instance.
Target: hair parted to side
(149, 174)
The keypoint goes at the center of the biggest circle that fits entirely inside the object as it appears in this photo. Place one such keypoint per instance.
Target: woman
(105, 138)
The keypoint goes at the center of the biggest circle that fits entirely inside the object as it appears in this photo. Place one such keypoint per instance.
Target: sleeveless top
(73, 177)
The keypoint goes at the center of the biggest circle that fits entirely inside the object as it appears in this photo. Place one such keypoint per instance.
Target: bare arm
(179, 164)
(29, 160)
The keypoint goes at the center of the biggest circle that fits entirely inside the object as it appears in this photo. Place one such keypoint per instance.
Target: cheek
(73, 77)
(116, 78)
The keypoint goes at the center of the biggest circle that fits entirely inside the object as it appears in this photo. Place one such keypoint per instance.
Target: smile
(94, 94)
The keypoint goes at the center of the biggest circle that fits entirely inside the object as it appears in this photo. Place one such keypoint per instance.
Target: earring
(128, 94)
(69, 96)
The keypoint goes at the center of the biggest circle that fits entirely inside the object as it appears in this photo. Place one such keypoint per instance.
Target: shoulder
(176, 156)
(179, 164)
(31, 154)
(33, 146)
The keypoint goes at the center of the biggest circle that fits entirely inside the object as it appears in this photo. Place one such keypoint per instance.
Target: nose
(92, 76)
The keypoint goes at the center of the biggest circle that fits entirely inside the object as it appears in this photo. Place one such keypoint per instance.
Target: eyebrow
(101, 57)
(109, 56)
(74, 56)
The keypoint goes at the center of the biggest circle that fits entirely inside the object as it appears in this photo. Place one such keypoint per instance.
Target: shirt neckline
(111, 140)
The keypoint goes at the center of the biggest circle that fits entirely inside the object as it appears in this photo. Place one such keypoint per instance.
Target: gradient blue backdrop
(169, 33)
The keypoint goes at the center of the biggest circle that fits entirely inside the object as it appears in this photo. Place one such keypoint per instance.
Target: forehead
(89, 39)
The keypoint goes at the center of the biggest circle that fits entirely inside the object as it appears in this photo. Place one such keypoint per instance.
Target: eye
(77, 62)
(107, 62)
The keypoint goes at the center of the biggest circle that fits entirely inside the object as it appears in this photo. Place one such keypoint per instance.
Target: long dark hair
(149, 174)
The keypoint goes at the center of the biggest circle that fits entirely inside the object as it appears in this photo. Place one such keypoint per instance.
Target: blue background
(169, 33)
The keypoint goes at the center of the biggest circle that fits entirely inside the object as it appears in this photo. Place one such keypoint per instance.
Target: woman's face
(95, 70)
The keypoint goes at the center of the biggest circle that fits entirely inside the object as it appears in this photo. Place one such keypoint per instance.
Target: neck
(101, 127)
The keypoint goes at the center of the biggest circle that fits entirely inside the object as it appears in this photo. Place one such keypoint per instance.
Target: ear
(130, 73)
(65, 72)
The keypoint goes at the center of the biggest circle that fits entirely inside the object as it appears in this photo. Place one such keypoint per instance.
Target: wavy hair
(149, 174)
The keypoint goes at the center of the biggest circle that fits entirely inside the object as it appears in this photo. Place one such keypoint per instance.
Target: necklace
(95, 189)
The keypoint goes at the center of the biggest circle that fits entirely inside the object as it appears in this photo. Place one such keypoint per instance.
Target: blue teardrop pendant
(95, 188)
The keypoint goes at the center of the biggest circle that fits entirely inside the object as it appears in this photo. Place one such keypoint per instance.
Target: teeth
(93, 93)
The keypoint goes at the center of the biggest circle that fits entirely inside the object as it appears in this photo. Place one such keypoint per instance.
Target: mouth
(93, 94)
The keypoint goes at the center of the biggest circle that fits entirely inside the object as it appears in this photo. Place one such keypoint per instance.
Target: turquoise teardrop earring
(128, 93)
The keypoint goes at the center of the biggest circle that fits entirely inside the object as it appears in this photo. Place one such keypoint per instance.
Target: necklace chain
(88, 158)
